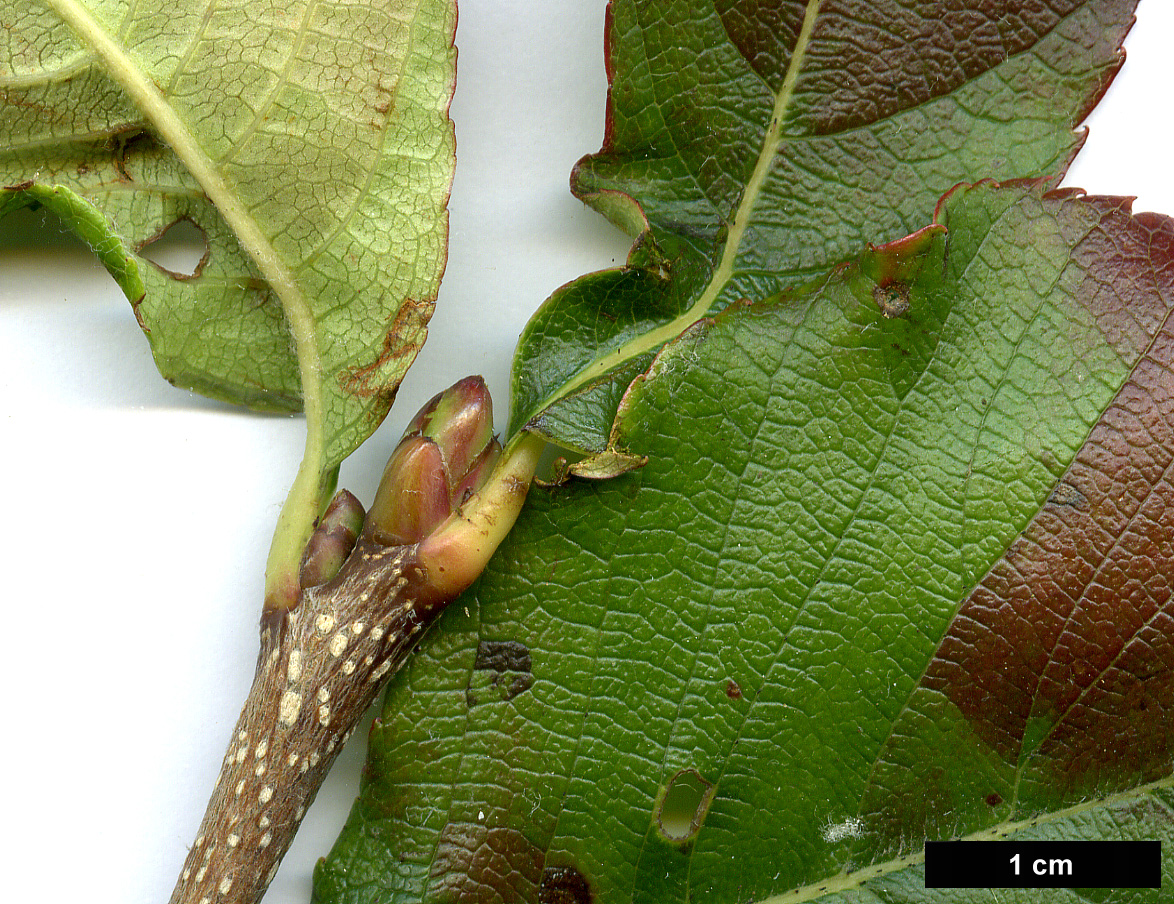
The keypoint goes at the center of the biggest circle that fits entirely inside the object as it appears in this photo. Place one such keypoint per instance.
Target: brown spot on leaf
(563, 885)
(994, 799)
(509, 661)
(733, 690)
(1066, 494)
(481, 864)
(124, 144)
(502, 656)
(893, 299)
(386, 98)
(402, 341)
(519, 684)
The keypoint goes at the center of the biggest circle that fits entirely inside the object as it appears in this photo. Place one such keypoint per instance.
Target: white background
(138, 516)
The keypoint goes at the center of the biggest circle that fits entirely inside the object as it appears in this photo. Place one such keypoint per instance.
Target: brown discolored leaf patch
(502, 656)
(509, 663)
(1073, 629)
(563, 885)
(872, 60)
(401, 343)
(480, 864)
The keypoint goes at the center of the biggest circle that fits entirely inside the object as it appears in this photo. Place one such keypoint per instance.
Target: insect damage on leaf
(1059, 659)
(180, 249)
(401, 342)
(317, 230)
(508, 665)
(756, 144)
(563, 885)
(502, 656)
(681, 809)
(859, 492)
(892, 299)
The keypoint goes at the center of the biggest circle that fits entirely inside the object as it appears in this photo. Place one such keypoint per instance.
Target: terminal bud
(447, 451)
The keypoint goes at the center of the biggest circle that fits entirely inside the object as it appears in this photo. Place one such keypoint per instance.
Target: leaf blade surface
(319, 131)
(768, 602)
(751, 145)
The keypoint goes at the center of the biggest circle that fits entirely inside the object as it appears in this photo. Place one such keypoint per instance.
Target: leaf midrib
(301, 505)
(1000, 831)
(646, 342)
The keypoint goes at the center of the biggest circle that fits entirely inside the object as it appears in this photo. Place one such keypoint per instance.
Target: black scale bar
(1043, 864)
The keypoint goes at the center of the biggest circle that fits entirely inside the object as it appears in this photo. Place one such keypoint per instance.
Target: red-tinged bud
(332, 540)
(460, 420)
(455, 553)
(413, 496)
(478, 473)
(308, 694)
(447, 451)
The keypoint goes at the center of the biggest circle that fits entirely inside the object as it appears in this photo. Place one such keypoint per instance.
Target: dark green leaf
(898, 567)
(750, 144)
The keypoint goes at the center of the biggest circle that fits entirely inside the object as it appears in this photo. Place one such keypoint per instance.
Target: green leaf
(309, 143)
(897, 568)
(220, 331)
(750, 145)
(317, 165)
(87, 223)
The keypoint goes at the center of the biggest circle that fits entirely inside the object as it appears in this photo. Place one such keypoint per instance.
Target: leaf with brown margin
(310, 187)
(751, 144)
(827, 509)
(309, 142)
(1061, 660)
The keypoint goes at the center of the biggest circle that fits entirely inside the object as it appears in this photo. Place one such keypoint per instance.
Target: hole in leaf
(180, 250)
(893, 299)
(683, 807)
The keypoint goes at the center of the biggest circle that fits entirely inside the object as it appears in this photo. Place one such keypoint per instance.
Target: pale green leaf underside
(309, 142)
(221, 332)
